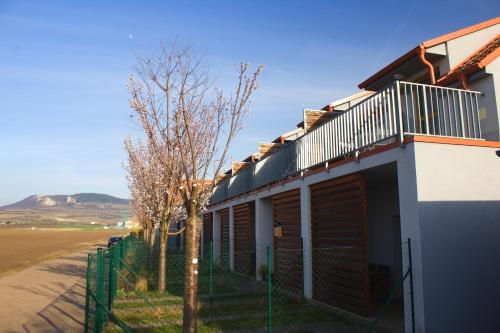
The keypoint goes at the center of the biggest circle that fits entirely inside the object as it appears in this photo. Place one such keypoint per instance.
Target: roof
(427, 44)
(347, 99)
(478, 60)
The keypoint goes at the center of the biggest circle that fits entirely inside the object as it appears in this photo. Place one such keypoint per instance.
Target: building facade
(409, 163)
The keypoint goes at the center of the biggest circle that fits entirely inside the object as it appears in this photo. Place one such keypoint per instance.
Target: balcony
(401, 109)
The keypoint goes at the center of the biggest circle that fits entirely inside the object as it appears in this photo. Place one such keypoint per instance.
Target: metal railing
(402, 108)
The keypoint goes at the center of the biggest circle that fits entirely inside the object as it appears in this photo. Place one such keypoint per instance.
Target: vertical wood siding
(339, 220)
(244, 238)
(224, 232)
(288, 247)
(207, 228)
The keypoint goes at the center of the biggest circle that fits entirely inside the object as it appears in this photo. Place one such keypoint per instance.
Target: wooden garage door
(288, 245)
(339, 241)
(207, 229)
(244, 238)
(224, 233)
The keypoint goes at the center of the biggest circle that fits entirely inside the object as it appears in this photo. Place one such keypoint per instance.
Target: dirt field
(20, 248)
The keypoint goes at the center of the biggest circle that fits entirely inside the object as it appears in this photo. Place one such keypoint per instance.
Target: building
(413, 156)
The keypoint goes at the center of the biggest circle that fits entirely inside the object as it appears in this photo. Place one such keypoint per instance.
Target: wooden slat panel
(244, 238)
(288, 268)
(207, 228)
(224, 231)
(339, 222)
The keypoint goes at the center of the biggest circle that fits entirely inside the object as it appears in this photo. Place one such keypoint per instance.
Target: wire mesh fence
(395, 312)
(248, 291)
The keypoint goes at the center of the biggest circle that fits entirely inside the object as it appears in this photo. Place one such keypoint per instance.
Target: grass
(230, 309)
(238, 302)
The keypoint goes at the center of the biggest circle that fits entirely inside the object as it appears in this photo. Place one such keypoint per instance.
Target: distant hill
(78, 200)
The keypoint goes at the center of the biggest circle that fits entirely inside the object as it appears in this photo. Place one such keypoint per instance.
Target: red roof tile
(474, 62)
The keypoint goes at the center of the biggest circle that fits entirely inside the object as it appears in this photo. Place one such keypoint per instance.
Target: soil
(21, 248)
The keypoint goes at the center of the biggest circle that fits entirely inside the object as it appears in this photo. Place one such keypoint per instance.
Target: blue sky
(64, 65)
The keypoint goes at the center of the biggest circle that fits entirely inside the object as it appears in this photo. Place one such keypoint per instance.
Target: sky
(64, 65)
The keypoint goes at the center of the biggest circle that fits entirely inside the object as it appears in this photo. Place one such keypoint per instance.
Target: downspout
(421, 54)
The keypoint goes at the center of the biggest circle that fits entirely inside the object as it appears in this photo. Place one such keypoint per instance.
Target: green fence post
(87, 291)
(99, 290)
(269, 292)
(122, 251)
(411, 287)
(211, 271)
(113, 260)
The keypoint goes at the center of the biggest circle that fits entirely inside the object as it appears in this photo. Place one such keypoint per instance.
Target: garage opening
(385, 248)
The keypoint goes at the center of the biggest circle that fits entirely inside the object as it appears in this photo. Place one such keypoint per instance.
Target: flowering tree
(182, 111)
(154, 195)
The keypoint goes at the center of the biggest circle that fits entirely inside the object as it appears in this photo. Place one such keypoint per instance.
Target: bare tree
(195, 122)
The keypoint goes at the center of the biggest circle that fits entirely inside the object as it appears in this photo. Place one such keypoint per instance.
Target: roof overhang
(404, 66)
(386, 74)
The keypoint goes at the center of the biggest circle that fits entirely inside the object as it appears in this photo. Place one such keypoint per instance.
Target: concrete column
(216, 233)
(305, 227)
(263, 232)
(410, 228)
(231, 238)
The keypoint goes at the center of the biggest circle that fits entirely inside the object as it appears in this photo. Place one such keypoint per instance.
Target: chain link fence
(396, 312)
(249, 291)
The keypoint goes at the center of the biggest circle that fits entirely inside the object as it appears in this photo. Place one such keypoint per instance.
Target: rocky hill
(78, 200)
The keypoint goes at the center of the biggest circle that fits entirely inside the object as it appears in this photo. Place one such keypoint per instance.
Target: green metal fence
(101, 285)
(253, 291)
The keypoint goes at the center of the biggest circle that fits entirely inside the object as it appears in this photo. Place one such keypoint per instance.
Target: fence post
(400, 114)
(99, 290)
(269, 292)
(122, 252)
(211, 271)
(112, 275)
(411, 287)
(87, 292)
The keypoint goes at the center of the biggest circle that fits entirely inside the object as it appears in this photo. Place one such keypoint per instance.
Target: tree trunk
(192, 237)
(162, 281)
(146, 235)
(151, 246)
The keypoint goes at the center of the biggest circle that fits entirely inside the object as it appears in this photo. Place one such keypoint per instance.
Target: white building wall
(458, 216)
(263, 232)
(488, 101)
(216, 235)
(305, 229)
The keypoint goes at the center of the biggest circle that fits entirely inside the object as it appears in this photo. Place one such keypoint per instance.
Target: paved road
(47, 297)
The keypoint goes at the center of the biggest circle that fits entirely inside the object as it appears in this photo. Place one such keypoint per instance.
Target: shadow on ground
(65, 314)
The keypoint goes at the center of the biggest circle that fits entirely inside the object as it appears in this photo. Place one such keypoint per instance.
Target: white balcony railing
(403, 108)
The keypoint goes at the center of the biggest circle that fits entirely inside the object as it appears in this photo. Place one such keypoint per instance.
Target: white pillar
(410, 228)
(216, 235)
(231, 238)
(263, 232)
(305, 227)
